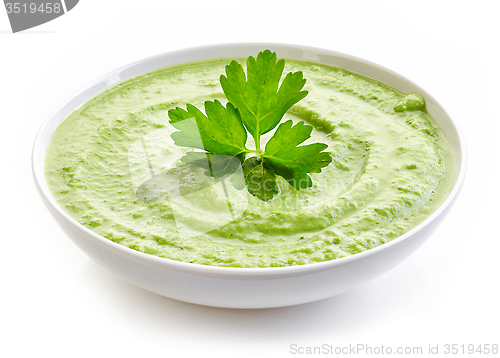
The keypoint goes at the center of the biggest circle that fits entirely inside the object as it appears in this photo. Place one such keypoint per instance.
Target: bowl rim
(236, 272)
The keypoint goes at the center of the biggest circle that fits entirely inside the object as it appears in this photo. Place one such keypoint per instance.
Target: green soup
(114, 168)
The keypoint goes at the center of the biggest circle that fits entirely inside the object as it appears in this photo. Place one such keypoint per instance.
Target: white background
(56, 302)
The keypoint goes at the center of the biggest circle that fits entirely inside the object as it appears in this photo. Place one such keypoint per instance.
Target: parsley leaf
(214, 165)
(220, 131)
(286, 158)
(257, 104)
(260, 181)
(257, 97)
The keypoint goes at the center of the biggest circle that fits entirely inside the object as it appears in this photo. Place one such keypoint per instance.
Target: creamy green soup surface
(114, 168)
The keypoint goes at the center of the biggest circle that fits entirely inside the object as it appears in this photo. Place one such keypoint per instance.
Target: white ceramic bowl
(247, 287)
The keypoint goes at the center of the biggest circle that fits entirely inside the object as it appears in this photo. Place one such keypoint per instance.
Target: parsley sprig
(256, 104)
